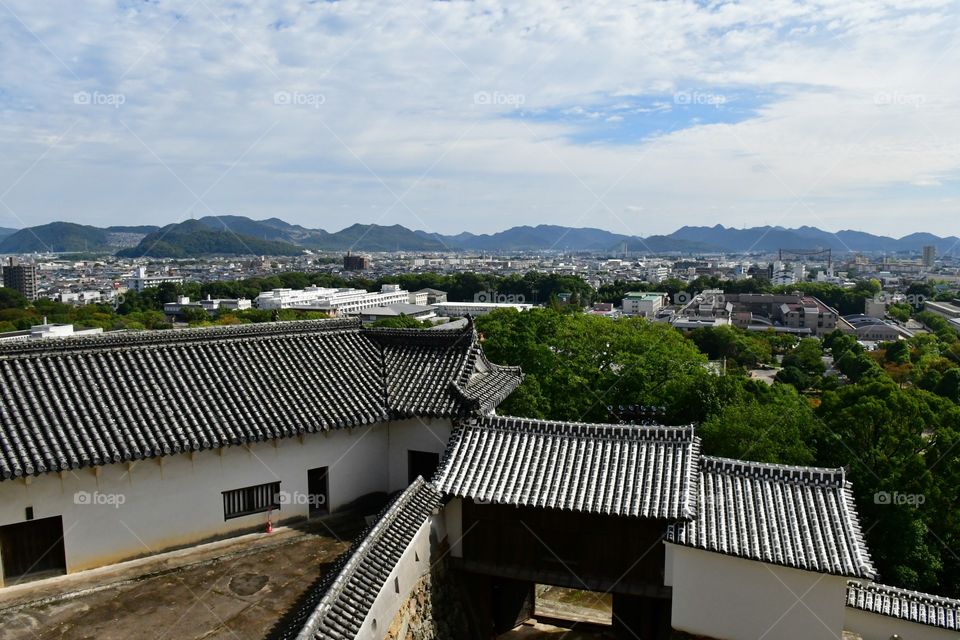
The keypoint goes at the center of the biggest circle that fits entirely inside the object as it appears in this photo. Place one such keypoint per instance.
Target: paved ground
(230, 590)
(533, 630)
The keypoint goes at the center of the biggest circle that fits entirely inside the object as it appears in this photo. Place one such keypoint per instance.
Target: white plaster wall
(735, 599)
(423, 434)
(872, 626)
(413, 565)
(453, 524)
(177, 501)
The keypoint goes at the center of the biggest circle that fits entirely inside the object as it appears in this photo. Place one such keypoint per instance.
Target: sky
(636, 117)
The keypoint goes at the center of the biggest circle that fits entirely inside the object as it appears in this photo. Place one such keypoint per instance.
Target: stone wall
(434, 610)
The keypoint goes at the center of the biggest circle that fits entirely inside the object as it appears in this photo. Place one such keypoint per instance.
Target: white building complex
(336, 301)
(141, 280)
(183, 436)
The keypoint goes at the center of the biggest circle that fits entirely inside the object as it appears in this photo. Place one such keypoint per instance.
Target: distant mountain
(240, 235)
(374, 237)
(5, 231)
(768, 239)
(194, 238)
(56, 236)
(541, 237)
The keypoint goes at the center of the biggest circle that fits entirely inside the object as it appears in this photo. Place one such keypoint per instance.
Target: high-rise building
(355, 263)
(22, 277)
(929, 255)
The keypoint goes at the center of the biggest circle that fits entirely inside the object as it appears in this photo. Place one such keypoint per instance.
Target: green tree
(776, 426)
(12, 299)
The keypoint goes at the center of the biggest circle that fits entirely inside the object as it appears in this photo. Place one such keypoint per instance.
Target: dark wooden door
(318, 486)
(421, 463)
(35, 546)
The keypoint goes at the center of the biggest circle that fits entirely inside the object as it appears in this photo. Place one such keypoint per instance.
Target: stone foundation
(434, 610)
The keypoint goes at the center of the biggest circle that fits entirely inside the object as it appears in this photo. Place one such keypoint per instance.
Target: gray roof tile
(913, 606)
(341, 602)
(84, 402)
(799, 517)
(627, 470)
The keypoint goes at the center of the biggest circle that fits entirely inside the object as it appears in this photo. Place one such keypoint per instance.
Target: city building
(929, 256)
(643, 304)
(48, 331)
(21, 277)
(870, 329)
(459, 309)
(434, 296)
(80, 298)
(355, 263)
(141, 280)
(210, 305)
(416, 311)
(334, 301)
(945, 309)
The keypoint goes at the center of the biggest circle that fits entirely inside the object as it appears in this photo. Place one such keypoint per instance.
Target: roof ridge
(121, 339)
(350, 562)
(904, 604)
(796, 472)
(876, 587)
(561, 427)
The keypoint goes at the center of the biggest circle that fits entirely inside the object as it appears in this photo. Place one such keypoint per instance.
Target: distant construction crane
(806, 254)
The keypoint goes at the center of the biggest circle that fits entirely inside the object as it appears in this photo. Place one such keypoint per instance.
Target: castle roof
(903, 604)
(624, 470)
(800, 517)
(115, 397)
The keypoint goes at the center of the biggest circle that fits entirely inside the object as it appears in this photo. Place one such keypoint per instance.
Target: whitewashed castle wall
(177, 500)
(721, 596)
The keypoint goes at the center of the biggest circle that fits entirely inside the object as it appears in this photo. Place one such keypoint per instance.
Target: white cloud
(858, 114)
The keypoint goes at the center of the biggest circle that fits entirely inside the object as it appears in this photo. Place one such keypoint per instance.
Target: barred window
(255, 499)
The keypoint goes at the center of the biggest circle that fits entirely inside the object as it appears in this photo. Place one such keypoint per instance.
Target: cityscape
(475, 321)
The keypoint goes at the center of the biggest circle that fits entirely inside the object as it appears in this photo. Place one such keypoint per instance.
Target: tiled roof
(342, 601)
(799, 517)
(626, 470)
(913, 606)
(84, 402)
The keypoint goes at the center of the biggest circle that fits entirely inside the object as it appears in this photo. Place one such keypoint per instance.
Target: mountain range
(240, 235)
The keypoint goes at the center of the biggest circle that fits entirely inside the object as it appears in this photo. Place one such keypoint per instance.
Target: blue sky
(635, 117)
